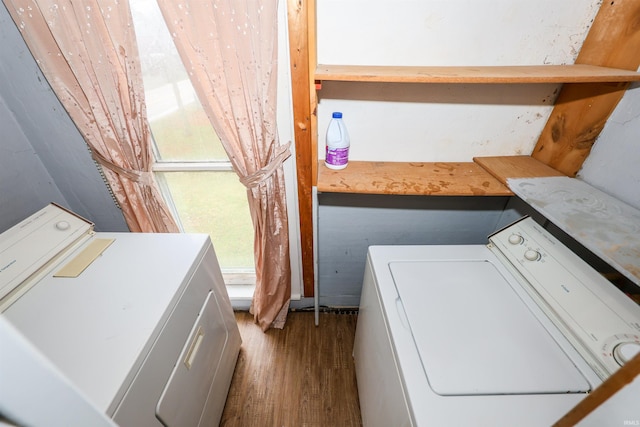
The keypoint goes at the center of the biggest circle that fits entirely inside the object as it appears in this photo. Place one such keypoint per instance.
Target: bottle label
(337, 156)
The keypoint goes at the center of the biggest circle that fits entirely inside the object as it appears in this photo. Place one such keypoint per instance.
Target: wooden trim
(313, 94)
(297, 13)
(435, 179)
(481, 74)
(582, 110)
(504, 167)
(623, 376)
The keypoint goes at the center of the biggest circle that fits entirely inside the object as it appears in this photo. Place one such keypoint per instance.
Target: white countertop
(603, 224)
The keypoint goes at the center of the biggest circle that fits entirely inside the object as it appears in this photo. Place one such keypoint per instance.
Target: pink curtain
(87, 51)
(229, 48)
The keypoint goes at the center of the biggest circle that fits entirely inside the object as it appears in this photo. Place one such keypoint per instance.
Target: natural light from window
(191, 165)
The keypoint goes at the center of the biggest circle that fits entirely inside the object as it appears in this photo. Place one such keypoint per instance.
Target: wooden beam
(582, 110)
(298, 15)
(621, 378)
(313, 94)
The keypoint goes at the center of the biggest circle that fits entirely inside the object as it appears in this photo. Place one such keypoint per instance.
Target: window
(191, 166)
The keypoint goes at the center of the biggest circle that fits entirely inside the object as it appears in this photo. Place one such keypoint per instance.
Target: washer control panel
(600, 321)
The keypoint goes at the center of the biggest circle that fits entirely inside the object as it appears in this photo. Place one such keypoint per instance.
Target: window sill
(240, 291)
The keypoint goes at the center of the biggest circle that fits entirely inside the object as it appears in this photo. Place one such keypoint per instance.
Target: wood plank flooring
(302, 375)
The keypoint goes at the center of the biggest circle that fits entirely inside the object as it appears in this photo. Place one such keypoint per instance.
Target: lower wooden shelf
(505, 167)
(411, 178)
(485, 176)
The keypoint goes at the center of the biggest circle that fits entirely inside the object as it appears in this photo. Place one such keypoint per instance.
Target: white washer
(140, 322)
(513, 333)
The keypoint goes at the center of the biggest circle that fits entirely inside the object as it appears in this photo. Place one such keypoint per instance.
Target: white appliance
(140, 323)
(514, 333)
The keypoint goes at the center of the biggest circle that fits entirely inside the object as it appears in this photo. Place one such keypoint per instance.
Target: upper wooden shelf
(411, 178)
(577, 73)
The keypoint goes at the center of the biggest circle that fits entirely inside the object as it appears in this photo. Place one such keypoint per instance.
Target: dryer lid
(475, 335)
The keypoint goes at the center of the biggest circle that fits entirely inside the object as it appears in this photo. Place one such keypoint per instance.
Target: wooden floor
(302, 375)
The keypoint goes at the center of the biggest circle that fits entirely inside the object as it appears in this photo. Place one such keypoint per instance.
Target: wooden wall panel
(582, 110)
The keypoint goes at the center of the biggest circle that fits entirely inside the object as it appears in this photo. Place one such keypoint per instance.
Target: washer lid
(476, 336)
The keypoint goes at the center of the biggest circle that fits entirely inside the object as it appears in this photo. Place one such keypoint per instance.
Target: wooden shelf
(435, 179)
(577, 73)
(485, 176)
(504, 167)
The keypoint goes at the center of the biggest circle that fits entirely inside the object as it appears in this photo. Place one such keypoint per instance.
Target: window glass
(215, 203)
(180, 127)
(192, 167)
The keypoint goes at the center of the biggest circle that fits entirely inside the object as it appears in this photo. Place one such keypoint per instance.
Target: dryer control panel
(597, 318)
(27, 248)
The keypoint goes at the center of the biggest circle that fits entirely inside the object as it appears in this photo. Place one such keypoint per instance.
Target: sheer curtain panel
(229, 48)
(87, 51)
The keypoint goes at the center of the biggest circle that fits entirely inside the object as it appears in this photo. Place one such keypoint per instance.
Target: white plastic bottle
(337, 151)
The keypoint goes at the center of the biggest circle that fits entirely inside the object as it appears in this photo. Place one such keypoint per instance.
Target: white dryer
(514, 333)
(140, 323)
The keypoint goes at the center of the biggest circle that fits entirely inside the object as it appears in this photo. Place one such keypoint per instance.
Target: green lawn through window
(208, 202)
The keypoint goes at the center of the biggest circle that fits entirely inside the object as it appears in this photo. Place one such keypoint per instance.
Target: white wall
(421, 122)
